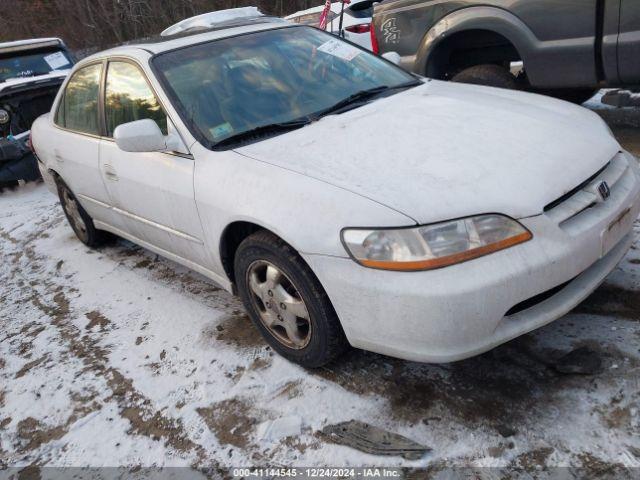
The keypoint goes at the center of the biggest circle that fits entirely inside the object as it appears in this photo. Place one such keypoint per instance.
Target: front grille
(585, 196)
(570, 194)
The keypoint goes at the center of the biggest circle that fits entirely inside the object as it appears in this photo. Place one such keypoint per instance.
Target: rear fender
(549, 64)
(477, 18)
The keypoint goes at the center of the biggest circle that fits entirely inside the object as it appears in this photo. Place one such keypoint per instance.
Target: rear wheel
(286, 302)
(489, 75)
(79, 219)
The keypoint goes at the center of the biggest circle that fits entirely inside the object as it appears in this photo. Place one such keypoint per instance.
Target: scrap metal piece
(374, 440)
(621, 98)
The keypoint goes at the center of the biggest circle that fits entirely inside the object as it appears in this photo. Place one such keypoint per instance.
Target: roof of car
(29, 43)
(161, 44)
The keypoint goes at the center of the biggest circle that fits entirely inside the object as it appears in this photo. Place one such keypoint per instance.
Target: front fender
(306, 213)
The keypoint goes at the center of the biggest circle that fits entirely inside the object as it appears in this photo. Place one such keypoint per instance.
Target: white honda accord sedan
(346, 201)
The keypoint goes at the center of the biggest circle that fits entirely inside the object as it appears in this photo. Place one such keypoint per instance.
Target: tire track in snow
(132, 404)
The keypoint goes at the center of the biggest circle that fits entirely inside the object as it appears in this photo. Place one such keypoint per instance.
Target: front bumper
(464, 310)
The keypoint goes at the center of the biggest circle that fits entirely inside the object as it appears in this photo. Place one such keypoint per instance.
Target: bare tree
(95, 24)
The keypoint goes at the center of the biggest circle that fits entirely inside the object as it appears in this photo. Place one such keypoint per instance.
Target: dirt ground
(118, 357)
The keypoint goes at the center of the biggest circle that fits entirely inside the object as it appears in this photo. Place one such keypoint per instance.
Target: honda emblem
(604, 190)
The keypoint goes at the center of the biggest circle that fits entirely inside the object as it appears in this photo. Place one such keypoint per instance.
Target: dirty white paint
(435, 152)
(447, 150)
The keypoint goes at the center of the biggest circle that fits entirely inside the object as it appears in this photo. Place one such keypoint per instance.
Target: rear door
(76, 145)
(629, 42)
(152, 193)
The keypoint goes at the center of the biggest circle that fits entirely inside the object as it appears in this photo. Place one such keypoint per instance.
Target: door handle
(110, 173)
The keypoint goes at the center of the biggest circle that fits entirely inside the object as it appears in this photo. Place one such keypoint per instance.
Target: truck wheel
(79, 219)
(489, 75)
(286, 302)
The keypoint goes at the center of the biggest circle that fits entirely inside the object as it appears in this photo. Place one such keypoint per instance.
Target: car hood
(444, 150)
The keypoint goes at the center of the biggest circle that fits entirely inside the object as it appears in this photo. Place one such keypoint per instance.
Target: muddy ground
(118, 357)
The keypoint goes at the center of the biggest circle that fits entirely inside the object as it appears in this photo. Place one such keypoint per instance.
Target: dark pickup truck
(568, 48)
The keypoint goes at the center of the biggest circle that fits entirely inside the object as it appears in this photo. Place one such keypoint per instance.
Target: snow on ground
(117, 357)
(595, 102)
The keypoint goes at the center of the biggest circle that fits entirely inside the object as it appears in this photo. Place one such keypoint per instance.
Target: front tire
(286, 301)
(78, 218)
(489, 75)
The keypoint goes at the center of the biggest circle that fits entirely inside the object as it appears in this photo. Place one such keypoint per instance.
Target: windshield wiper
(263, 130)
(277, 128)
(363, 95)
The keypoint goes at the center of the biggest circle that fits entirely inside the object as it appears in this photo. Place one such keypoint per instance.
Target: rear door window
(129, 98)
(78, 110)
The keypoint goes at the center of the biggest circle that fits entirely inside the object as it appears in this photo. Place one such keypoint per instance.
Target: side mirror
(393, 57)
(140, 136)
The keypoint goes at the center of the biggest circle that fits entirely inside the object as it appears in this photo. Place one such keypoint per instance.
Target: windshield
(235, 85)
(31, 64)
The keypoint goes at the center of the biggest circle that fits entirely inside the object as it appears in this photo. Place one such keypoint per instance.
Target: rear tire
(286, 301)
(78, 218)
(489, 75)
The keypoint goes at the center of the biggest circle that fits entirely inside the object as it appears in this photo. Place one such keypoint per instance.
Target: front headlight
(433, 246)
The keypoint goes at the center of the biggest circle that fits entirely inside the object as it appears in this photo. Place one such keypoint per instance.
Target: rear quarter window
(78, 109)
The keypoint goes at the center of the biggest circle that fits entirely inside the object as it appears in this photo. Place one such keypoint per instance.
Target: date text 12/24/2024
(303, 473)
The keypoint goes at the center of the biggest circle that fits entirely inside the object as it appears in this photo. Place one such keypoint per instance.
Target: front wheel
(286, 302)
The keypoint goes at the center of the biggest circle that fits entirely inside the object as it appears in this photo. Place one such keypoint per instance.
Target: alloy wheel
(72, 209)
(280, 306)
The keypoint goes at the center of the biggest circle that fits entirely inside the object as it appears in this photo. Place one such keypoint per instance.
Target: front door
(152, 193)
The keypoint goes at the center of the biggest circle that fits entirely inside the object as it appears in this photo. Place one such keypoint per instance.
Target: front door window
(129, 98)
